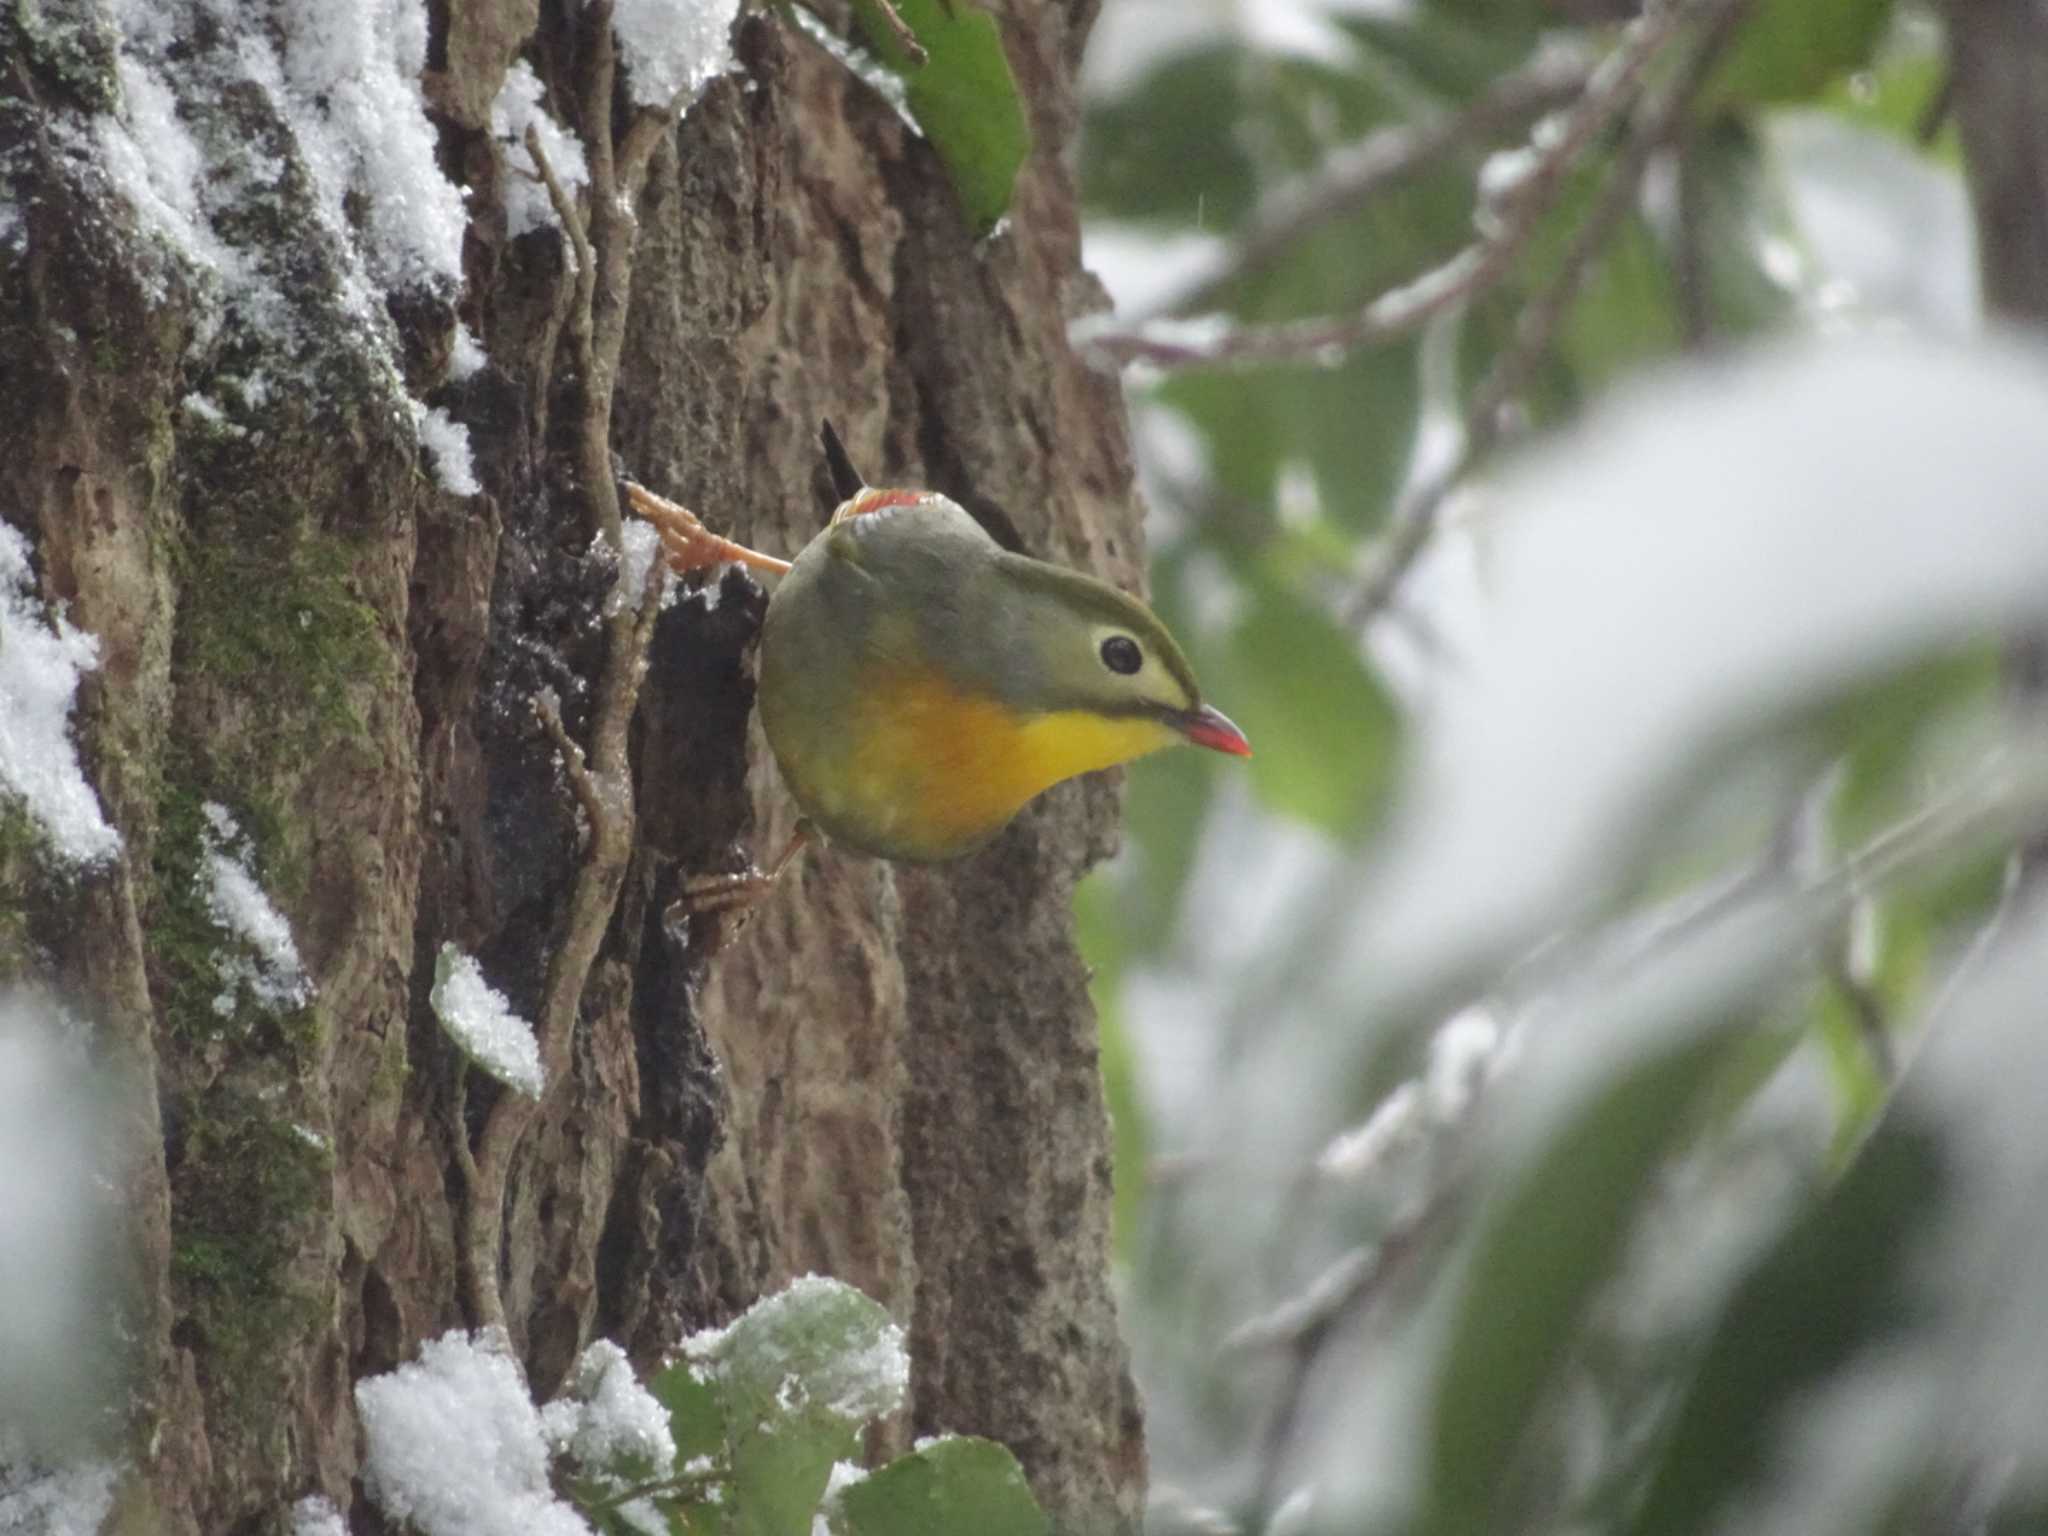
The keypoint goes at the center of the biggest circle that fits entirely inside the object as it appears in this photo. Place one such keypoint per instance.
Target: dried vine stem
(1472, 271)
(600, 776)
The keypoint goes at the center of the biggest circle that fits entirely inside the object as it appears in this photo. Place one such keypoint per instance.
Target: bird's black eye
(1120, 653)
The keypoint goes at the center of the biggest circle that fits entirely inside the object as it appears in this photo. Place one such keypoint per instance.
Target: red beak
(1211, 728)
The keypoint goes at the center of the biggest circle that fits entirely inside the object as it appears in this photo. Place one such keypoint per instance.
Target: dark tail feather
(846, 480)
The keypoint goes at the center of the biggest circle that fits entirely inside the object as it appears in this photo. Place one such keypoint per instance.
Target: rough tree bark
(889, 1076)
(1998, 91)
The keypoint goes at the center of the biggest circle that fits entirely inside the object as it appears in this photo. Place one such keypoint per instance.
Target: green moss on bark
(18, 852)
(247, 1190)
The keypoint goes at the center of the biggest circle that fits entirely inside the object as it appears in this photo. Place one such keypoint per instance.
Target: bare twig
(1470, 272)
(900, 30)
(579, 242)
(1415, 516)
(1354, 174)
(1304, 1326)
(601, 776)
(548, 710)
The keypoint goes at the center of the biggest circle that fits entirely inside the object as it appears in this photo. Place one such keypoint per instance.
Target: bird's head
(1097, 664)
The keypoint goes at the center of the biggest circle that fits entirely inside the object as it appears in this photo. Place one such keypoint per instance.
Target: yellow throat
(945, 769)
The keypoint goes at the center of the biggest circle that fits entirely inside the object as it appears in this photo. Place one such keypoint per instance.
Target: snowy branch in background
(1415, 515)
(1508, 220)
(1828, 553)
(1354, 174)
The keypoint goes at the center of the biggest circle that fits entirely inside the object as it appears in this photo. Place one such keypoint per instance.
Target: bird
(919, 684)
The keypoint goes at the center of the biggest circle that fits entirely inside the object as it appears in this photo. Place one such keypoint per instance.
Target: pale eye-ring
(1120, 654)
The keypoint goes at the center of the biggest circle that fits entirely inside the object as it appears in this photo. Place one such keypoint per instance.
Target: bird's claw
(689, 545)
(740, 893)
(702, 895)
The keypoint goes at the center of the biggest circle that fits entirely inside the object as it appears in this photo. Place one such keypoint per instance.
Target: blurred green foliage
(1274, 484)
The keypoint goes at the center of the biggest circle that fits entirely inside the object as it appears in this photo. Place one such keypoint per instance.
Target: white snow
(315, 1515)
(859, 1386)
(56, 1204)
(41, 662)
(863, 65)
(203, 407)
(844, 1475)
(605, 1415)
(481, 1022)
(643, 1517)
(1622, 647)
(238, 905)
(453, 1445)
(448, 441)
(1146, 270)
(517, 108)
(1393, 1130)
(636, 561)
(70, 1499)
(1465, 1053)
(468, 355)
(344, 82)
(673, 48)
(1879, 225)
(157, 166)
(352, 77)
(869, 1384)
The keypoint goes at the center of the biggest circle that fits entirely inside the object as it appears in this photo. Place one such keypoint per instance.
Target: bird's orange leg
(689, 545)
(705, 894)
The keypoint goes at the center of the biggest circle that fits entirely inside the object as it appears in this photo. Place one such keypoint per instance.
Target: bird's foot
(687, 543)
(703, 895)
(740, 893)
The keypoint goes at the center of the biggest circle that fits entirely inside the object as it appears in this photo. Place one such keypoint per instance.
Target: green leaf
(1837, 1283)
(694, 1417)
(798, 1376)
(963, 97)
(1456, 47)
(1627, 312)
(954, 1485)
(1546, 1247)
(1885, 730)
(1788, 50)
(1323, 730)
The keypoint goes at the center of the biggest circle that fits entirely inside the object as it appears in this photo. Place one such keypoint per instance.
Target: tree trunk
(207, 432)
